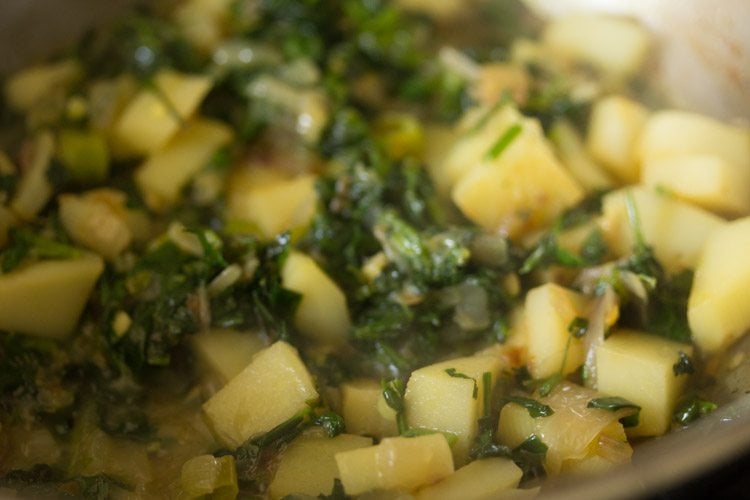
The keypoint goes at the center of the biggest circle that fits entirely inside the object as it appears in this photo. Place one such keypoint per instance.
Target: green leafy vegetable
(683, 366)
(691, 409)
(534, 407)
(615, 403)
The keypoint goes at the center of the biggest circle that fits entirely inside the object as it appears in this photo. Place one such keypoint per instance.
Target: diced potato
(85, 155)
(494, 79)
(616, 46)
(670, 134)
(550, 310)
(209, 476)
(460, 151)
(308, 467)
(717, 308)
(708, 181)
(479, 480)
(163, 176)
(676, 230)
(573, 434)
(698, 158)
(35, 190)
(397, 463)
(202, 21)
(450, 402)
(93, 222)
(250, 405)
(32, 85)
(583, 168)
(227, 352)
(153, 116)
(365, 411)
(639, 367)
(614, 128)
(322, 314)
(47, 297)
(271, 200)
(518, 189)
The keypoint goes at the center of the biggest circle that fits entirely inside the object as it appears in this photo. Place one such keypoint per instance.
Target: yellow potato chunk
(639, 367)
(94, 222)
(365, 411)
(203, 21)
(616, 46)
(574, 433)
(550, 310)
(271, 201)
(708, 181)
(675, 229)
(322, 314)
(227, 352)
(163, 176)
(671, 133)
(35, 190)
(46, 298)
(698, 158)
(479, 480)
(397, 463)
(153, 116)
(518, 189)
(32, 85)
(250, 404)
(453, 154)
(614, 128)
(572, 152)
(447, 397)
(308, 466)
(717, 307)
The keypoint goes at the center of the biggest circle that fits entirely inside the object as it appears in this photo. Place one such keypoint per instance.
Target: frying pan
(703, 59)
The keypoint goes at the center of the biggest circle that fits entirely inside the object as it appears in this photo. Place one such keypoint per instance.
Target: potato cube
(670, 134)
(153, 116)
(550, 310)
(708, 181)
(572, 152)
(32, 85)
(479, 480)
(271, 201)
(91, 221)
(639, 367)
(202, 22)
(163, 176)
(397, 463)
(675, 229)
(574, 433)
(308, 467)
(227, 352)
(447, 397)
(616, 46)
(252, 403)
(521, 188)
(322, 314)
(453, 154)
(365, 411)
(46, 298)
(717, 307)
(614, 128)
(35, 190)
